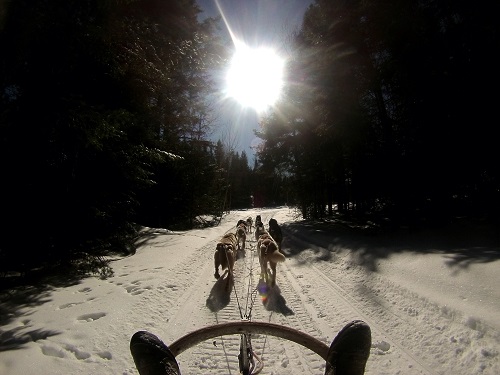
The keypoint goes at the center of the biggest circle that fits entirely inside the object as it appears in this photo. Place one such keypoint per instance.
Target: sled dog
(275, 232)
(269, 254)
(259, 230)
(258, 220)
(225, 255)
(249, 225)
(241, 221)
(241, 236)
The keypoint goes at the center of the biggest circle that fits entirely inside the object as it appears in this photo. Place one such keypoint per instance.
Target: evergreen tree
(101, 102)
(378, 109)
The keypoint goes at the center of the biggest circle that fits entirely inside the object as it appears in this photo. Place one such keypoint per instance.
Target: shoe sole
(152, 356)
(349, 350)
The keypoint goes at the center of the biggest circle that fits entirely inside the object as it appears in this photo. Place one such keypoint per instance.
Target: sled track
(295, 301)
(287, 304)
(345, 307)
(291, 303)
(205, 296)
(296, 315)
(318, 290)
(355, 300)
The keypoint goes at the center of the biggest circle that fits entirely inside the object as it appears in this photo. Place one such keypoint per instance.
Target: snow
(431, 299)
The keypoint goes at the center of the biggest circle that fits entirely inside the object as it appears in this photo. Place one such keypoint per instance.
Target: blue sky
(257, 23)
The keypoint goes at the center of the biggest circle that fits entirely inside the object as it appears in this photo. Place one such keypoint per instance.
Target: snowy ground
(432, 302)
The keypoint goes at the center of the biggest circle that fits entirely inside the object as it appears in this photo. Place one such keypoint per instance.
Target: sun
(255, 77)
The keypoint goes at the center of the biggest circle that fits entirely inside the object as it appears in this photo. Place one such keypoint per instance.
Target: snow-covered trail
(419, 325)
(421, 321)
(319, 289)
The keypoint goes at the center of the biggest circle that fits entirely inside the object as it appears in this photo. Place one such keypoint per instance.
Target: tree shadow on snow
(17, 337)
(15, 306)
(272, 298)
(220, 294)
(462, 242)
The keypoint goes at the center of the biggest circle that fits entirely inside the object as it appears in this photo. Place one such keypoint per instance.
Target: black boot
(152, 356)
(349, 350)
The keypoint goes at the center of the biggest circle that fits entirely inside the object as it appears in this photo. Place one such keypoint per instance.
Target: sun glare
(255, 77)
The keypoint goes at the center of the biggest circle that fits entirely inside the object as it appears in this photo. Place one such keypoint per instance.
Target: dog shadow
(220, 294)
(240, 253)
(272, 298)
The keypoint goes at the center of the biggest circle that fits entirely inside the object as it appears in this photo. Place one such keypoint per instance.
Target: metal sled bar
(234, 328)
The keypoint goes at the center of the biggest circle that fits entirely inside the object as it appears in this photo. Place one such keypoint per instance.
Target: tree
(99, 99)
(378, 108)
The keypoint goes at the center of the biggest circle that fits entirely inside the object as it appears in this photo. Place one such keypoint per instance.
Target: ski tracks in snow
(413, 330)
(318, 291)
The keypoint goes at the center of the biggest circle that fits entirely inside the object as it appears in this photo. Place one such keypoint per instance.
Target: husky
(249, 225)
(269, 254)
(225, 256)
(241, 236)
(259, 230)
(275, 232)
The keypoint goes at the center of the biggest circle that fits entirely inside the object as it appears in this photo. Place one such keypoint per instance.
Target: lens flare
(255, 77)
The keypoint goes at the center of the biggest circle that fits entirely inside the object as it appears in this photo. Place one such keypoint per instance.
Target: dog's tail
(276, 257)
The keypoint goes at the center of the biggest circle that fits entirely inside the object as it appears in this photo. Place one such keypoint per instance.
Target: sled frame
(248, 328)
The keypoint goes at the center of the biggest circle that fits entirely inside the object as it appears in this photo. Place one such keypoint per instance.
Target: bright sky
(255, 77)
(262, 25)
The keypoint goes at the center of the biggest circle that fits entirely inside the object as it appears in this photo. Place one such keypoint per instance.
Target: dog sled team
(268, 248)
(347, 354)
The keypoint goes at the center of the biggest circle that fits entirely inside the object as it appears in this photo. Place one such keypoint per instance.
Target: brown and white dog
(225, 255)
(241, 236)
(259, 230)
(249, 225)
(275, 232)
(269, 254)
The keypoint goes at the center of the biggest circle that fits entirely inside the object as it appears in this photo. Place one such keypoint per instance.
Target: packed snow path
(426, 316)
(318, 291)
